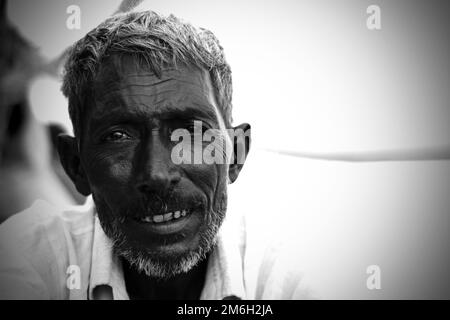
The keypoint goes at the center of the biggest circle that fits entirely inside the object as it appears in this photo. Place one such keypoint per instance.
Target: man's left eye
(117, 136)
(196, 126)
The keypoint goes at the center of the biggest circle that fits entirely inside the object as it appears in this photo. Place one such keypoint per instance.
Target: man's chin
(165, 256)
(162, 263)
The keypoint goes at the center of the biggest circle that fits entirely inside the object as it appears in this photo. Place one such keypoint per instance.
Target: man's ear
(241, 146)
(70, 160)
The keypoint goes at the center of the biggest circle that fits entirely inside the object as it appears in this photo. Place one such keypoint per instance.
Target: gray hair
(157, 40)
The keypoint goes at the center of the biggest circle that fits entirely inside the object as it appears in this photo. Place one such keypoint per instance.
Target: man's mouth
(178, 218)
(166, 217)
(171, 222)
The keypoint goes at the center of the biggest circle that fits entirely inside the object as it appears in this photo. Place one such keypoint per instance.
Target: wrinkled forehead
(121, 68)
(133, 76)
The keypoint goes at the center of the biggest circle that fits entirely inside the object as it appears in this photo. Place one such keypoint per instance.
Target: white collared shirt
(49, 253)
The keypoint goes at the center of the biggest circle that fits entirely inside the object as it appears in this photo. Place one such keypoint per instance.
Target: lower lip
(170, 227)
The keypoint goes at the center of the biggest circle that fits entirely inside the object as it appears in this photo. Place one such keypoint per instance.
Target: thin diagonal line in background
(423, 154)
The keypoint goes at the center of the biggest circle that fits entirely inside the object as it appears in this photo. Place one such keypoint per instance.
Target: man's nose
(157, 171)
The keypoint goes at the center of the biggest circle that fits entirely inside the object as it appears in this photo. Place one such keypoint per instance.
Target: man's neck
(186, 286)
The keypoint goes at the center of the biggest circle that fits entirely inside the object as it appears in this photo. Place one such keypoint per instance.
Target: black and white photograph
(224, 151)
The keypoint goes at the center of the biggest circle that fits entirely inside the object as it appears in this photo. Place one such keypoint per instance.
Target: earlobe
(241, 139)
(70, 160)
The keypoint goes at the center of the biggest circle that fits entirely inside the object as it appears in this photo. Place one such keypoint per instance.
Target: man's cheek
(110, 174)
(202, 175)
(211, 179)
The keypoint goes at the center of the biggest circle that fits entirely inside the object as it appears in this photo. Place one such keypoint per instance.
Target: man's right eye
(117, 136)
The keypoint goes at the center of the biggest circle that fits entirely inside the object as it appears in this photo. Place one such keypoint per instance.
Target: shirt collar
(106, 268)
(224, 275)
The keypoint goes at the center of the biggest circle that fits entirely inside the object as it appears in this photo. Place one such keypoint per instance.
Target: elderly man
(153, 226)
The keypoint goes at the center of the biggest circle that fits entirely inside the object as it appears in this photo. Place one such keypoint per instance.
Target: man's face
(162, 217)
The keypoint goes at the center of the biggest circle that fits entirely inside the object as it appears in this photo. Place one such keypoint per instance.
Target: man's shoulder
(45, 221)
(36, 247)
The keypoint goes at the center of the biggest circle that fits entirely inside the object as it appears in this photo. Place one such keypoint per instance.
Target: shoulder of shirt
(43, 221)
(77, 219)
(36, 247)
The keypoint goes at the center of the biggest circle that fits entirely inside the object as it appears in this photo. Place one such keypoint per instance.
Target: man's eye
(196, 127)
(190, 128)
(117, 136)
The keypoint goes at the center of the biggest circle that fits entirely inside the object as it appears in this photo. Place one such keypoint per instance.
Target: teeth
(165, 217)
(168, 216)
(147, 219)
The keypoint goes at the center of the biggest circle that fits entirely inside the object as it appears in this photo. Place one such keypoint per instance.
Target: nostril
(145, 189)
(174, 179)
